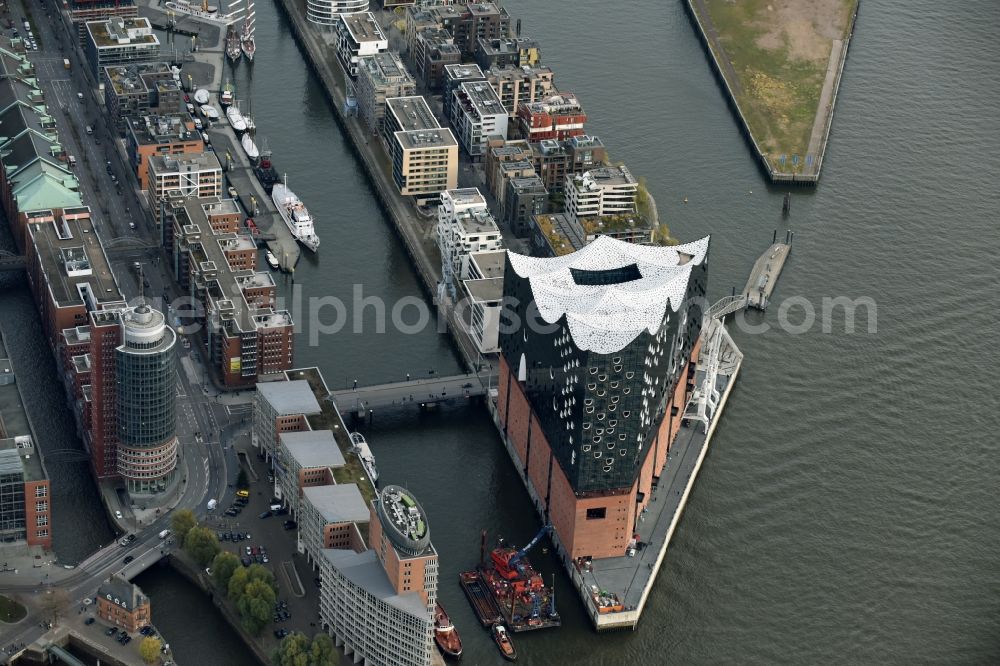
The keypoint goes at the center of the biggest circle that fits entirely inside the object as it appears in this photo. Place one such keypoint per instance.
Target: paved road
(206, 465)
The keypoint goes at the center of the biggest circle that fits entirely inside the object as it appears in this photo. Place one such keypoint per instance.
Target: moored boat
(209, 111)
(361, 446)
(504, 644)
(265, 171)
(300, 223)
(202, 11)
(201, 96)
(247, 42)
(271, 260)
(228, 93)
(250, 147)
(239, 124)
(233, 50)
(445, 634)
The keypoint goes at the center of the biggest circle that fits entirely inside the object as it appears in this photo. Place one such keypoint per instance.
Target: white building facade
(358, 35)
(327, 12)
(602, 191)
(465, 225)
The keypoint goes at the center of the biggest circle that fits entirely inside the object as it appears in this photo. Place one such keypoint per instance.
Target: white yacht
(296, 215)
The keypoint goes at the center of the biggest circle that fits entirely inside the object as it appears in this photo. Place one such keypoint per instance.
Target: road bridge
(360, 400)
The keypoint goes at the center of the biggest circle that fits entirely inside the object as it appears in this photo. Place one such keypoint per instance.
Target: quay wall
(703, 25)
(398, 208)
(199, 578)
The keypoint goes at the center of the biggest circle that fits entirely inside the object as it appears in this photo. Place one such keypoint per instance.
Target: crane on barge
(508, 563)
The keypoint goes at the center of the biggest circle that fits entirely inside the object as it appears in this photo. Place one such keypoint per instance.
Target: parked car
(118, 515)
(280, 633)
(128, 559)
(89, 620)
(246, 561)
(265, 514)
(111, 631)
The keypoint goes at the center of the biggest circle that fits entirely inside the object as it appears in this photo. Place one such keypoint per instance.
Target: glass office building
(146, 372)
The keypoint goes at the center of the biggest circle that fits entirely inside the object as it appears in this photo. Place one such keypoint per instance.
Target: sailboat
(233, 50)
(249, 28)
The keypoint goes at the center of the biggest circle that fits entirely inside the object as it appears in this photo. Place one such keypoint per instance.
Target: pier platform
(764, 275)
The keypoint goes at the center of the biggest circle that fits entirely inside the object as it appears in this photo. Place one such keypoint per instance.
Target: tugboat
(265, 171)
(504, 644)
(445, 634)
(228, 92)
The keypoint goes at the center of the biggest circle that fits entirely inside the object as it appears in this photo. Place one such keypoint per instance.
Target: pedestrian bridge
(361, 400)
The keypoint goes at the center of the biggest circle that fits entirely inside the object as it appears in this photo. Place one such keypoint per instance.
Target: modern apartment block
(606, 190)
(433, 51)
(159, 135)
(245, 334)
(507, 52)
(464, 226)
(82, 11)
(280, 407)
(358, 35)
(523, 198)
(380, 77)
(196, 175)
(601, 391)
(556, 117)
(328, 12)
(517, 85)
(378, 605)
(454, 76)
(484, 293)
(555, 160)
(476, 115)
(25, 490)
(329, 517)
(424, 155)
(140, 90)
(122, 604)
(120, 41)
(479, 20)
(498, 160)
(304, 459)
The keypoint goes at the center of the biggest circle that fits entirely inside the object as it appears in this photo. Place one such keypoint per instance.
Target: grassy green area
(10, 610)
(328, 419)
(780, 52)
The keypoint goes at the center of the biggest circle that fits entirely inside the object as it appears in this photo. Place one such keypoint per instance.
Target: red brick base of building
(588, 525)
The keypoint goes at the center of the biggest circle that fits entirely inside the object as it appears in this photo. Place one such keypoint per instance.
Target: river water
(847, 509)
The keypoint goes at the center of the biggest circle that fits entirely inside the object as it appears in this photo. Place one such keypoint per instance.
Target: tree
(201, 544)
(149, 649)
(322, 653)
(292, 651)
(181, 522)
(54, 602)
(223, 567)
(256, 605)
(242, 482)
(237, 583)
